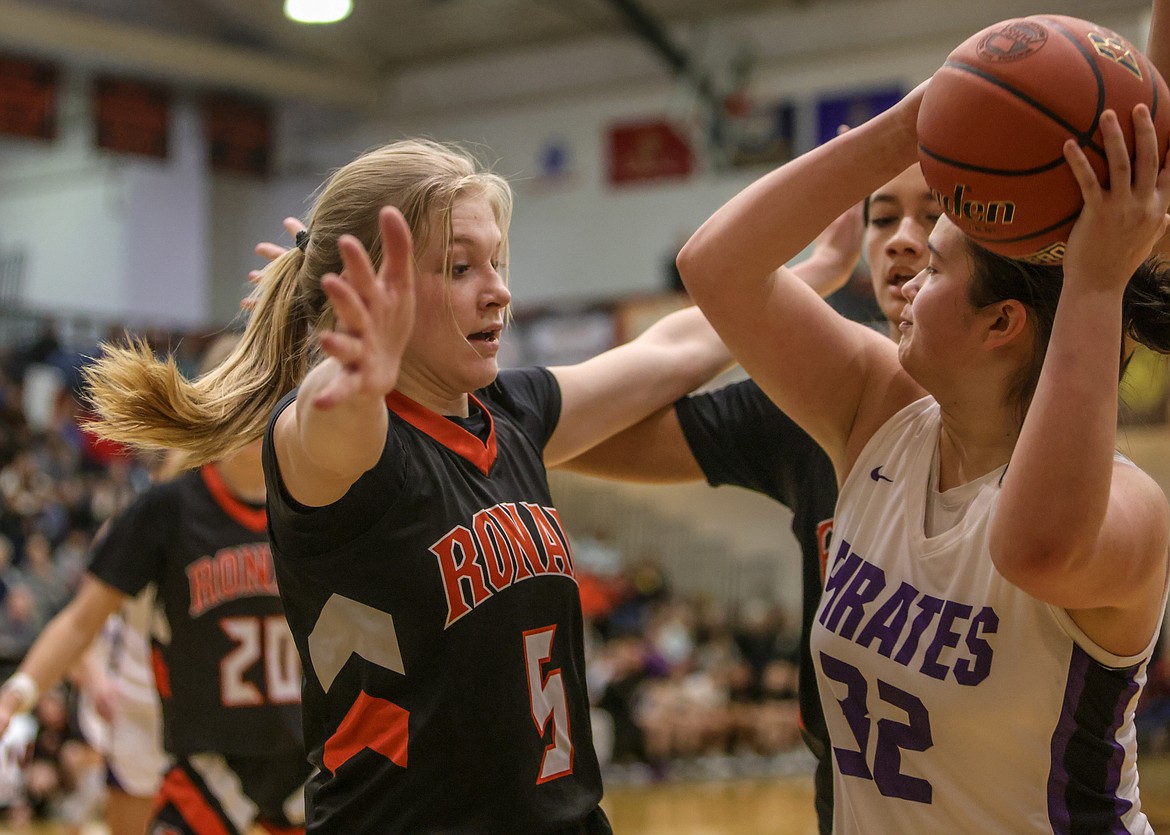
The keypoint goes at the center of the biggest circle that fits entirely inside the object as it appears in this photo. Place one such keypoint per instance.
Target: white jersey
(132, 741)
(956, 702)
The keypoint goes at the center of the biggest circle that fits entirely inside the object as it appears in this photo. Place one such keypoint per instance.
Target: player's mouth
(487, 338)
(898, 276)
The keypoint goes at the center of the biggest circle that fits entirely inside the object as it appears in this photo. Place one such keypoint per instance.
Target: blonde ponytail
(146, 402)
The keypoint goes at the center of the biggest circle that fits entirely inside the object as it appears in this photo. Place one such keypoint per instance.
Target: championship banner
(647, 151)
(133, 117)
(28, 98)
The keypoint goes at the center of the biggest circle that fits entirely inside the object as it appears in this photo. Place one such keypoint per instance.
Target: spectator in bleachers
(41, 575)
(19, 626)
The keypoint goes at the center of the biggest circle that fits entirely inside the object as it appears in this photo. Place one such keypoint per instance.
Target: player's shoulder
(529, 396)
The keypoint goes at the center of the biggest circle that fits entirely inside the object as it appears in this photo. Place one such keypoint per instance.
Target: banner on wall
(133, 117)
(853, 108)
(646, 151)
(762, 134)
(239, 135)
(28, 98)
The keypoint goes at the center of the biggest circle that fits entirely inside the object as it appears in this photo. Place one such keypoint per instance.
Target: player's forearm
(1056, 491)
(690, 352)
(653, 451)
(346, 438)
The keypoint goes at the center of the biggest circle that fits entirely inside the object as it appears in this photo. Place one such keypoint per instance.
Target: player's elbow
(695, 265)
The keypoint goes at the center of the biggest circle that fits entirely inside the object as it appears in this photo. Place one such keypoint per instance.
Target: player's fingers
(292, 225)
(397, 251)
(1116, 153)
(1145, 151)
(1163, 183)
(350, 310)
(1085, 176)
(270, 250)
(345, 348)
(358, 269)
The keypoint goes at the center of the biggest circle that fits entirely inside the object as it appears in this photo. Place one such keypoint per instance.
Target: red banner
(28, 98)
(651, 150)
(239, 135)
(133, 117)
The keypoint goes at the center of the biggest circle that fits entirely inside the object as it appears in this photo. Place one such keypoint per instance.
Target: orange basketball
(996, 115)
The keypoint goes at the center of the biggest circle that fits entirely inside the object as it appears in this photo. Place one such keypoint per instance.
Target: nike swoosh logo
(876, 475)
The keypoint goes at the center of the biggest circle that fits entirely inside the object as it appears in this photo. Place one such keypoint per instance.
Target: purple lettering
(843, 568)
(930, 607)
(944, 637)
(867, 583)
(887, 623)
(971, 673)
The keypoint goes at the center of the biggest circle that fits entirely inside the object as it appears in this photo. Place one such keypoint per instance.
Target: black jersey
(436, 610)
(739, 436)
(224, 663)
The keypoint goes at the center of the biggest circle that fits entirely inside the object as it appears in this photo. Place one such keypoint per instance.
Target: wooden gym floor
(765, 806)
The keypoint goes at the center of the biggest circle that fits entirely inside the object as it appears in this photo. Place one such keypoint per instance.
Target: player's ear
(1008, 322)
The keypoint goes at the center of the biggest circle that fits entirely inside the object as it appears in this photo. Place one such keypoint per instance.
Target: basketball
(996, 115)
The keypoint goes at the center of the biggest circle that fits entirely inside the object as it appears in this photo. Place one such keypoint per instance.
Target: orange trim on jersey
(282, 830)
(185, 796)
(254, 519)
(162, 673)
(451, 435)
(372, 723)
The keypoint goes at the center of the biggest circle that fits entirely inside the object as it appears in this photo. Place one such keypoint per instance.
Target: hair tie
(303, 240)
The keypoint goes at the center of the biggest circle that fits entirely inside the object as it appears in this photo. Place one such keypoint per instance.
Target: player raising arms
(423, 568)
(736, 435)
(985, 628)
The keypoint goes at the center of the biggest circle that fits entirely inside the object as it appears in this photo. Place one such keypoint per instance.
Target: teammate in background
(120, 715)
(223, 659)
(424, 570)
(985, 629)
(736, 435)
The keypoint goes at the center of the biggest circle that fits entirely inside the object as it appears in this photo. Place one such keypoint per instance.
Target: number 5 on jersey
(547, 694)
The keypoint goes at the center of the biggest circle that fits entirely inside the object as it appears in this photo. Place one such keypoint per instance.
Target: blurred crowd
(58, 484)
(684, 685)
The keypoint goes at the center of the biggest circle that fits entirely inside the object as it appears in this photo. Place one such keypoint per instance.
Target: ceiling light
(317, 11)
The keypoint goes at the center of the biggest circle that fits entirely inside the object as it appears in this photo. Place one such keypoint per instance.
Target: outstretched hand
(270, 251)
(1120, 223)
(374, 313)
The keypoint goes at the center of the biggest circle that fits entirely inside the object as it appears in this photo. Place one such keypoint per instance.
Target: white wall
(119, 235)
(112, 236)
(582, 239)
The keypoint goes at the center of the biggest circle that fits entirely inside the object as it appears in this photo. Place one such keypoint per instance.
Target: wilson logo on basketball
(958, 206)
(1017, 40)
(1113, 49)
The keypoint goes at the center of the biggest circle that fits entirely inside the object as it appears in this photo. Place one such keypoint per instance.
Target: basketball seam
(1096, 70)
(1083, 139)
(1003, 172)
